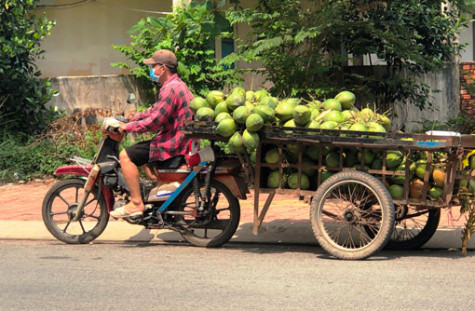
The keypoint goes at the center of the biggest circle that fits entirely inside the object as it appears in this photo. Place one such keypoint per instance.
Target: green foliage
(305, 49)
(468, 204)
(36, 157)
(39, 156)
(22, 94)
(463, 124)
(190, 32)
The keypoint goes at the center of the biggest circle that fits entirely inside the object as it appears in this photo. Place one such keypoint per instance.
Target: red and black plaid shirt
(166, 116)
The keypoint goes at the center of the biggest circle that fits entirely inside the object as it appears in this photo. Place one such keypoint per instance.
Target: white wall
(81, 42)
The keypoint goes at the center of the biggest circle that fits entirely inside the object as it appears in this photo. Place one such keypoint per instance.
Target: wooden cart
(352, 213)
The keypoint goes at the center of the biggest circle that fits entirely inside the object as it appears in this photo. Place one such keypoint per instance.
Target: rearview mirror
(131, 98)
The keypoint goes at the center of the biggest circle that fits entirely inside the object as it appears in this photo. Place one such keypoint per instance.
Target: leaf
(137, 27)
(156, 22)
(267, 44)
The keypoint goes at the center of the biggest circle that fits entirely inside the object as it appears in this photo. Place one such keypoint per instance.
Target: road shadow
(282, 236)
(320, 253)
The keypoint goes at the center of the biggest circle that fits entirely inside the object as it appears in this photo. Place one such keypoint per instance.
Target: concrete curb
(285, 232)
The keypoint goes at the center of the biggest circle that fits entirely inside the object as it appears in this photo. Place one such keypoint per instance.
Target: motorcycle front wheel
(60, 205)
(208, 230)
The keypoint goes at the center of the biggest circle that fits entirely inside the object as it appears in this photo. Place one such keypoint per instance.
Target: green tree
(22, 93)
(305, 48)
(190, 32)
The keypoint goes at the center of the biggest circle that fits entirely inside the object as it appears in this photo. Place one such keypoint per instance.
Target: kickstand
(159, 217)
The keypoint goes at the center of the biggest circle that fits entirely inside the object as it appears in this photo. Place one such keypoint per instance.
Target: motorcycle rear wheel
(223, 225)
(58, 206)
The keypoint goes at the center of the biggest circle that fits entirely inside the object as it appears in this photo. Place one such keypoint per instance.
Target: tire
(344, 207)
(61, 199)
(221, 228)
(413, 232)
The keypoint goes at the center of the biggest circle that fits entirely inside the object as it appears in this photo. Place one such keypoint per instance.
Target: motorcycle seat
(171, 163)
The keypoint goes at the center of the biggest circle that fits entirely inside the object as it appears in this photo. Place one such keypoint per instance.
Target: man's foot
(123, 212)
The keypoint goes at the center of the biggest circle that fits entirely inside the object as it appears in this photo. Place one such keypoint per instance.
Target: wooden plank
(263, 213)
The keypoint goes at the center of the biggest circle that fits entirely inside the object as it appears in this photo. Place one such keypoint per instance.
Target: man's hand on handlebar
(129, 115)
(122, 128)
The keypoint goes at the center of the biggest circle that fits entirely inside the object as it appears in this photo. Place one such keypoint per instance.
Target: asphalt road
(45, 275)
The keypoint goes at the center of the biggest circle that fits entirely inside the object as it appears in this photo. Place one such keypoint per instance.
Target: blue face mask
(153, 76)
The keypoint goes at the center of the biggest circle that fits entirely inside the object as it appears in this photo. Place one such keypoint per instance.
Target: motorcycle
(195, 195)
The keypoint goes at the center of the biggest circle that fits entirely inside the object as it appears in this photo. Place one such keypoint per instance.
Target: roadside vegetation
(23, 94)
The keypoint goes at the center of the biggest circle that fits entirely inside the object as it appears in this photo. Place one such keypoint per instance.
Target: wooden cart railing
(456, 148)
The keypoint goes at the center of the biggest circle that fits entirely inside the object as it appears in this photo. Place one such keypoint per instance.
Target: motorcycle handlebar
(121, 119)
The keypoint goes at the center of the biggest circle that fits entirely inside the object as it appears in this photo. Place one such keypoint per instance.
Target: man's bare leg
(132, 179)
(148, 171)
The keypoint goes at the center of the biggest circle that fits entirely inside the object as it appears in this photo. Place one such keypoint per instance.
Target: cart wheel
(413, 228)
(345, 208)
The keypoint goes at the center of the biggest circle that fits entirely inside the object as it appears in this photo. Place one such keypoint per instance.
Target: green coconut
(274, 178)
(358, 127)
(235, 143)
(329, 125)
(290, 124)
(265, 112)
(250, 139)
(269, 101)
(205, 114)
(435, 192)
(312, 152)
(332, 104)
(240, 91)
(260, 94)
(214, 97)
(346, 98)
(334, 115)
(396, 191)
(234, 101)
(221, 116)
(240, 114)
(254, 122)
(351, 158)
(284, 111)
(291, 101)
(197, 103)
(310, 172)
(368, 157)
(221, 107)
(393, 159)
(293, 181)
(250, 106)
(226, 127)
(332, 159)
(367, 114)
(301, 115)
(272, 156)
(250, 96)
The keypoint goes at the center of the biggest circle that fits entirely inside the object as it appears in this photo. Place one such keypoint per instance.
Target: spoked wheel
(61, 203)
(352, 215)
(203, 228)
(413, 228)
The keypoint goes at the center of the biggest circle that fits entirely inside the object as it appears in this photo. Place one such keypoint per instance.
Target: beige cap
(164, 57)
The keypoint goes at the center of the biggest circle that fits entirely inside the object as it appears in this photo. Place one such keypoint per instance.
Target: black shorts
(139, 153)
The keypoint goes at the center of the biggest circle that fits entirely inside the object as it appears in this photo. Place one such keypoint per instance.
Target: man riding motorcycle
(167, 116)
